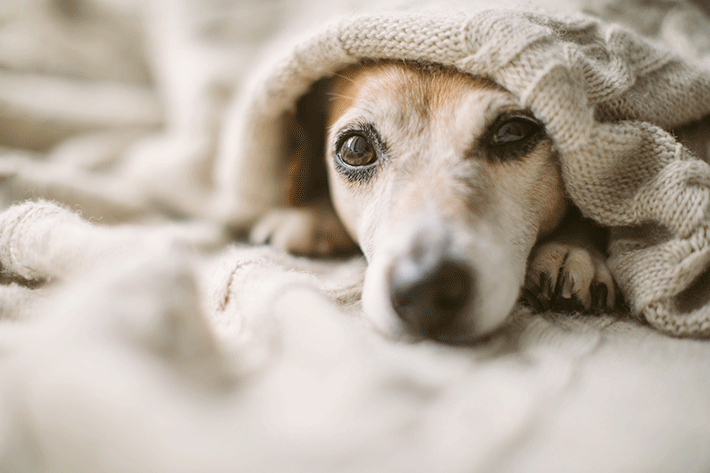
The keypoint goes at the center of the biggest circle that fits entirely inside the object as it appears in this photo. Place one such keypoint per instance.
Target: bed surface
(136, 335)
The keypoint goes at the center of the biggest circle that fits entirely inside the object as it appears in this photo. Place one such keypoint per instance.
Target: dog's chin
(496, 292)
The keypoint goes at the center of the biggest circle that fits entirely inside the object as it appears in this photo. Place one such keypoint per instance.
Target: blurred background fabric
(114, 106)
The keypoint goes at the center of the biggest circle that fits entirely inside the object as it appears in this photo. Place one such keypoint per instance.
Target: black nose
(430, 295)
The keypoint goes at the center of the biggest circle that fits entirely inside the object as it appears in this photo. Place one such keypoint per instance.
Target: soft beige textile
(135, 337)
(605, 95)
(145, 355)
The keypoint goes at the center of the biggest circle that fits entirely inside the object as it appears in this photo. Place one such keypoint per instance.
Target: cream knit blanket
(606, 95)
(135, 336)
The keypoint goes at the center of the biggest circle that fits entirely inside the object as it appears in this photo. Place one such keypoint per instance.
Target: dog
(453, 192)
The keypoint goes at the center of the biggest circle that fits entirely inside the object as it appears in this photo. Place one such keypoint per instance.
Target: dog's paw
(568, 277)
(302, 230)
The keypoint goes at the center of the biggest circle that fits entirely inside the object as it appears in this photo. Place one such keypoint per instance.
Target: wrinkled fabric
(135, 336)
(605, 94)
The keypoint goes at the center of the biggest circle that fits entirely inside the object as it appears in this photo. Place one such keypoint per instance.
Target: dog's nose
(430, 296)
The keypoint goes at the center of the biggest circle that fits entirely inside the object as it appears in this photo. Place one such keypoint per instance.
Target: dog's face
(446, 183)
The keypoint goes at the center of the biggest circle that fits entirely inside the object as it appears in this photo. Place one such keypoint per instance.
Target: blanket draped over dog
(605, 95)
(136, 336)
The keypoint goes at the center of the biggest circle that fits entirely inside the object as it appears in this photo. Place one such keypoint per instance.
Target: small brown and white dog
(453, 192)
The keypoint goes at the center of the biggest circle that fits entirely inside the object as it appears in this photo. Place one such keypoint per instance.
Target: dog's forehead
(403, 99)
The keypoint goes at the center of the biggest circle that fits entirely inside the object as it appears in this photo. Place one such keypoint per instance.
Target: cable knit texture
(607, 97)
(135, 336)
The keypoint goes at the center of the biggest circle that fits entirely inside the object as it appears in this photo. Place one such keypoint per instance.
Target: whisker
(332, 96)
(344, 77)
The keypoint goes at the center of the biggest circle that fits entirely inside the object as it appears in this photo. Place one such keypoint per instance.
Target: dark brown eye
(357, 151)
(514, 130)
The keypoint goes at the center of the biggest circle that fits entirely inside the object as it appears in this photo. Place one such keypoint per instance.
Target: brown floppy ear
(307, 178)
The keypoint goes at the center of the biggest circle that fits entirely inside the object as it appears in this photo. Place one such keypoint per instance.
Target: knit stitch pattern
(607, 97)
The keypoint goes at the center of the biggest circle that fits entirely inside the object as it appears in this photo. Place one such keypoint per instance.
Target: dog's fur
(458, 209)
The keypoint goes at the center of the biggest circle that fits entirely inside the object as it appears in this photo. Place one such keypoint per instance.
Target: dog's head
(446, 182)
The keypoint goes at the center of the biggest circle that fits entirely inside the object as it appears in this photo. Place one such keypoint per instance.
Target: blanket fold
(607, 96)
(135, 335)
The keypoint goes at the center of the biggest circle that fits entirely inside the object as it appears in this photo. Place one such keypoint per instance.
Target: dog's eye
(511, 137)
(357, 151)
(514, 131)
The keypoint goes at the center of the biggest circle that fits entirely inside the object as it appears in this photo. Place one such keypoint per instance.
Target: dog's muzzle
(431, 292)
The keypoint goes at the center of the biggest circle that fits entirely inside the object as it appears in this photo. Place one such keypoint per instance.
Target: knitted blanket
(607, 96)
(139, 139)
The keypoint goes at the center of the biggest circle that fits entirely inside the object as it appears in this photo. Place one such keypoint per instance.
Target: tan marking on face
(539, 175)
(419, 110)
(429, 122)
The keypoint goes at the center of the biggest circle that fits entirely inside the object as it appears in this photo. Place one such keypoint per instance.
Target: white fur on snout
(376, 300)
(497, 274)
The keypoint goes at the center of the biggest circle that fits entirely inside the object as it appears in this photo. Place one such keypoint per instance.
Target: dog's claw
(565, 277)
(531, 300)
(564, 285)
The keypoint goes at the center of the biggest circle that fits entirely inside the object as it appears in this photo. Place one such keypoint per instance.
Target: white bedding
(135, 337)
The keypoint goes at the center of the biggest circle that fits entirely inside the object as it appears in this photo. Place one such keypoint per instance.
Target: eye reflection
(357, 151)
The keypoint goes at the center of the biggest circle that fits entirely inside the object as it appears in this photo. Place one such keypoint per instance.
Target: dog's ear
(307, 178)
